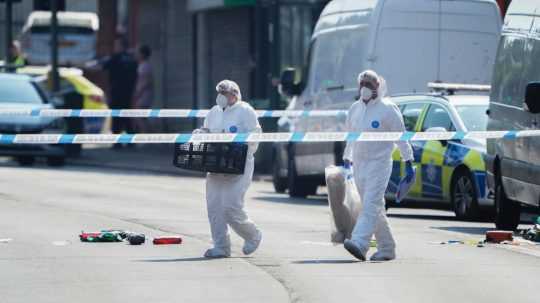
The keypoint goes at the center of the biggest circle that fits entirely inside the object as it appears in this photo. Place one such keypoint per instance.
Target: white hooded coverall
(372, 168)
(225, 193)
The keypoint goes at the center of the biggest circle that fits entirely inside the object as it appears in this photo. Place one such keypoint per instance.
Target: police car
(452, 171)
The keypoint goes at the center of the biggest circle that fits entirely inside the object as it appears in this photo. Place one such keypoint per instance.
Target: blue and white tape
(259, 137)
(157, 113)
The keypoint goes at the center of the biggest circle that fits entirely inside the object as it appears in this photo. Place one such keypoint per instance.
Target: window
(337, 58)
(18, 91)
(531, 71)
(411, 113)
(509, 65)
(437, 116)
(473, 116)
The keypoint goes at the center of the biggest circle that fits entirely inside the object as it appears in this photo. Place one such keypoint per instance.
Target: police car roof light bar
(451, 88)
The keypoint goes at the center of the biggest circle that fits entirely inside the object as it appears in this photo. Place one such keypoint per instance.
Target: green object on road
(103, 236)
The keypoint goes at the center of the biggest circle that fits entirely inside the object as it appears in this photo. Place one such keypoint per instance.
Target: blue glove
(409, 172)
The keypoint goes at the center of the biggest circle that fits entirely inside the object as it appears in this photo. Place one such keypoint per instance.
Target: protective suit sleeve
(213, 121)
(397, 125)
(348, 152)
(253, 126)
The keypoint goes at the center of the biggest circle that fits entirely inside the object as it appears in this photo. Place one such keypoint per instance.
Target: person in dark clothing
(122, 70)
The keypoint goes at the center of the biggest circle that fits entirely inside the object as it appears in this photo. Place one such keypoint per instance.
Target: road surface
(43, 210)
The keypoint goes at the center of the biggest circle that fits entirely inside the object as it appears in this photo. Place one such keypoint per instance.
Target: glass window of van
(531, 72)
(337, 57)
(508, 73)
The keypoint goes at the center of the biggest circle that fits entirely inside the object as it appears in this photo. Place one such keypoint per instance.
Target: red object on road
(498, 236)
(85, 236)
(167, 240)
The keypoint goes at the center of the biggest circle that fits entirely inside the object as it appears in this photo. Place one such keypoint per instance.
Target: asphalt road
(43, 210)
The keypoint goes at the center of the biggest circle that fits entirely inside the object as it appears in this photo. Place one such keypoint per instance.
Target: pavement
(151, 158)
(43, 210)
(154, 158)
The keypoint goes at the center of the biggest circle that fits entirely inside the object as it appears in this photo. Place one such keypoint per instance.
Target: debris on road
(167, 240)
(102, 236)
(6, 240)
(532, 234)
(498, 236)
(515, 243)
(472, 242)
(135, 238)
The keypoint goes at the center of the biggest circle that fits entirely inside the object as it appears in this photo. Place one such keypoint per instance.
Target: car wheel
(56, 161)
(507, 212)
(299, 187)
(280, 183)
(26, 160)
(464, 197)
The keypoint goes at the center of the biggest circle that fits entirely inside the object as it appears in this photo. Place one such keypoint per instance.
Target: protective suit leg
(234, 190)
(216, 212)
(386, 245)
(371, 178)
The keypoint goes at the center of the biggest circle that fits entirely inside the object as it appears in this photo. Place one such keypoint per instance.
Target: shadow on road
(472, 230)
(325, 262)
(423, 217)
(193, 259)
(315, 200)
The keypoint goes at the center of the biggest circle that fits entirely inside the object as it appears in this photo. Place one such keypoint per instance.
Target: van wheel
(299, 187)
(26, 160)
(463, 196)
(56, 161)
(280, 183)
(507, 212)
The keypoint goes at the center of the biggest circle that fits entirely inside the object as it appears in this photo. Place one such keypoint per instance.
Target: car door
(435, 176)
(411, 115)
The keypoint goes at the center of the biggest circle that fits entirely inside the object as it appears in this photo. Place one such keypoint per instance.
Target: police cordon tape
(258, 137)
(157, 113)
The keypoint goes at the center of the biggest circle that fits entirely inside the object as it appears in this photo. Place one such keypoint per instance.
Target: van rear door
(531, 73)
(470, 32)
(404, 50)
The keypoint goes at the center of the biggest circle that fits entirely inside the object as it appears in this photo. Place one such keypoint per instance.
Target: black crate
(223, 158)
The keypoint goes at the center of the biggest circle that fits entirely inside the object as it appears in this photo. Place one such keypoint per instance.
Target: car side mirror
(438, 129)
(532, 97)
(287, 84)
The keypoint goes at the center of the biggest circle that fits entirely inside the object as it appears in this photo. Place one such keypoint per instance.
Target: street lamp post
(54, 46)
(9, 37)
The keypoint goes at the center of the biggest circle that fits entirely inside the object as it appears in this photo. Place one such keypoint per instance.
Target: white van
(408, 42)
(77, 32)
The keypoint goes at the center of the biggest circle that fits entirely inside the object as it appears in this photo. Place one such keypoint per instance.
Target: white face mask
(222, 101)
(366, 93)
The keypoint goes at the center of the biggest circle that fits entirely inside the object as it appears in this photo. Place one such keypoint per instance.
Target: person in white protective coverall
(225, 193)
(373, 165)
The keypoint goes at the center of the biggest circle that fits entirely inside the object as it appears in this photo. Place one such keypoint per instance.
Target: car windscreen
(473, 116)
(76, 30)
(19, 91)
(336, 59)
